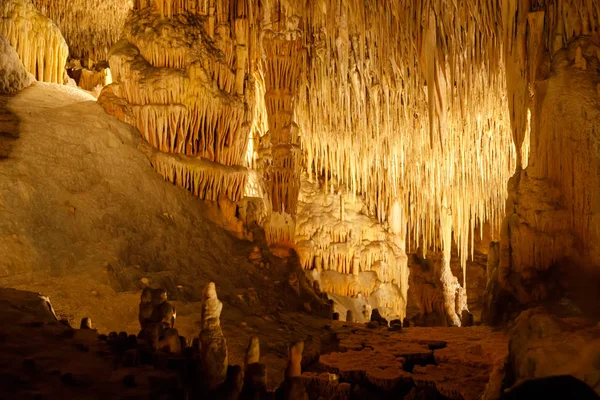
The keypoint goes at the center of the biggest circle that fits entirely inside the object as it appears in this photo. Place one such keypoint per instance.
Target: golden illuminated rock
(189, 94)
(90, 27)
(36, 39)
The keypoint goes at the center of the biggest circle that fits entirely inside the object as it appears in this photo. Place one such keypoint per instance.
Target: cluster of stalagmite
(37, 40)
(183, 77)
(350, 253)
(549, 239)
(90, 27)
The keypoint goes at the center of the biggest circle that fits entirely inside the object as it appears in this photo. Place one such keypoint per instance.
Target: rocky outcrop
(13, 76)
(549, 238)
(184, 79)
(543, 344)
(37, 40)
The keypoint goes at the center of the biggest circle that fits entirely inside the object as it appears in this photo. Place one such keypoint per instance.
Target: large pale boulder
(13, 76)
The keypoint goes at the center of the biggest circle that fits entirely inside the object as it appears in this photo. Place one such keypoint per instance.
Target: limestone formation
(349, 316)
(183, 77)
(37, 40)
(255, 374)
(214, 358)
(294, 367)
(280, 160)
(90, 27)
(86, 323)
(349, 250)
(575, 344)
(548, 244)
(13, 76)
(252, 351)
(157, 320)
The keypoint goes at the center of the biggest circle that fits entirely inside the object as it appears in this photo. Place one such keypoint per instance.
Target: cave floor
(40, 356)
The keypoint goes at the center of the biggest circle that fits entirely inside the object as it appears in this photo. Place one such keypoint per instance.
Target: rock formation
(575, 344)
(548, 244)
(13, 76)
(213, 345)
(281, 156)
(349, 253)
(157, 320)
(183, 77)
(255, 374)
(90, 27)
(37, 40)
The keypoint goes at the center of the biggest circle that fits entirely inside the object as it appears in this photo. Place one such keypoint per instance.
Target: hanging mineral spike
(37, 40)
(281, 170)
(90, 27)
(190, 96)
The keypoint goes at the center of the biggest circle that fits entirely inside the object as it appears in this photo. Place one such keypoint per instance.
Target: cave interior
(300, 199)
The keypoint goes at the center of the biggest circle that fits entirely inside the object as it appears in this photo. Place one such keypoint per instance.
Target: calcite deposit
(349, 253)
(548, 242)
(185, 81)
(13, 76)
(90, 27)
(213, 345)
(37, 40)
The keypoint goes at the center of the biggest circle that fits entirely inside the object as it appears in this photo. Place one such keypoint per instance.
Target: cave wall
(549, 238)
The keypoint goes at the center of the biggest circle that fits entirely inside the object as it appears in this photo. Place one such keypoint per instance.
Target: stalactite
(36, 39)
(91, 79)
(90, 27)
(281, 68)
(405, 102)
(205, 179)
(355, 254)
(191, 96)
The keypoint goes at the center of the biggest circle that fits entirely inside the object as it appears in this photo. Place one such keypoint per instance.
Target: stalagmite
(214, 348)
(252, 351)
(294, 367)
(191, 97)
(255, 374)
(36, 39)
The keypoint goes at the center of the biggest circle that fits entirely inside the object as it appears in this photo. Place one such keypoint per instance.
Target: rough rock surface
(543, 344)
(355, 259)
(458, 363)
(87, 221)
(41, 357)
(13, 76)
(549, 238)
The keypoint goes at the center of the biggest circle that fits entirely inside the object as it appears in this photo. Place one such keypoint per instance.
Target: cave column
(450, 285)
(281, 173)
